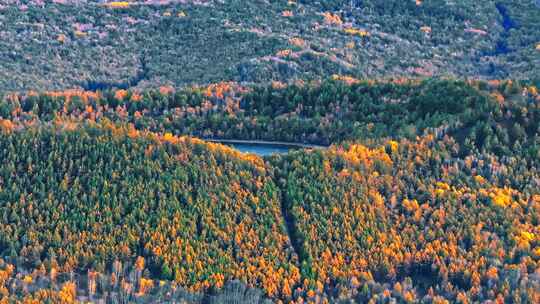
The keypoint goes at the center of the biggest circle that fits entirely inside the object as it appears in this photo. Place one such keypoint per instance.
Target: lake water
(261, 150)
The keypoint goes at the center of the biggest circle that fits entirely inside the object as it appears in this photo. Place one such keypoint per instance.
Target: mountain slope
(93, 197)
(86, 44)
(433, 197)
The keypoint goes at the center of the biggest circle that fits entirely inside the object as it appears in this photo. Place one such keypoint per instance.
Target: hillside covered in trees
(418, 180)
(429, 192)
(85, 44)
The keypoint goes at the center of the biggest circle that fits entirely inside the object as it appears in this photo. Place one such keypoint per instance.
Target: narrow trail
(281, 179)
(290, 226)
(281, 182)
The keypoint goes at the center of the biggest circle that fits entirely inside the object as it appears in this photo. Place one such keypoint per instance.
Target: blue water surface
(261, 150)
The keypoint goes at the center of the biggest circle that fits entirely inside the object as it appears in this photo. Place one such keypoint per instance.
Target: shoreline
(265, 143)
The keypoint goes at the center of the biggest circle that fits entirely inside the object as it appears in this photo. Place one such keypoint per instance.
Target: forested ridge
(429, 192)
(89, 44)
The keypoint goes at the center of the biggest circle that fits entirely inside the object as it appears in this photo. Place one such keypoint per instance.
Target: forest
(87, 44)
(429, 192)
(414, 177)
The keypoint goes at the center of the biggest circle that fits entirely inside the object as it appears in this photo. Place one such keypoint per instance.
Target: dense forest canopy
(418, 180)
(429, 192)
(421, 183)
(62, 44)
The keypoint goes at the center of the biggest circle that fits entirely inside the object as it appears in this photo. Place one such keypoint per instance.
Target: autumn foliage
(428, 193)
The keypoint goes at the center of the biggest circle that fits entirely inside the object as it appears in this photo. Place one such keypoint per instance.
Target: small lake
(262, 150)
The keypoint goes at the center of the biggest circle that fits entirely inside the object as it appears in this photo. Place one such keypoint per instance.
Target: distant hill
(92, 45)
